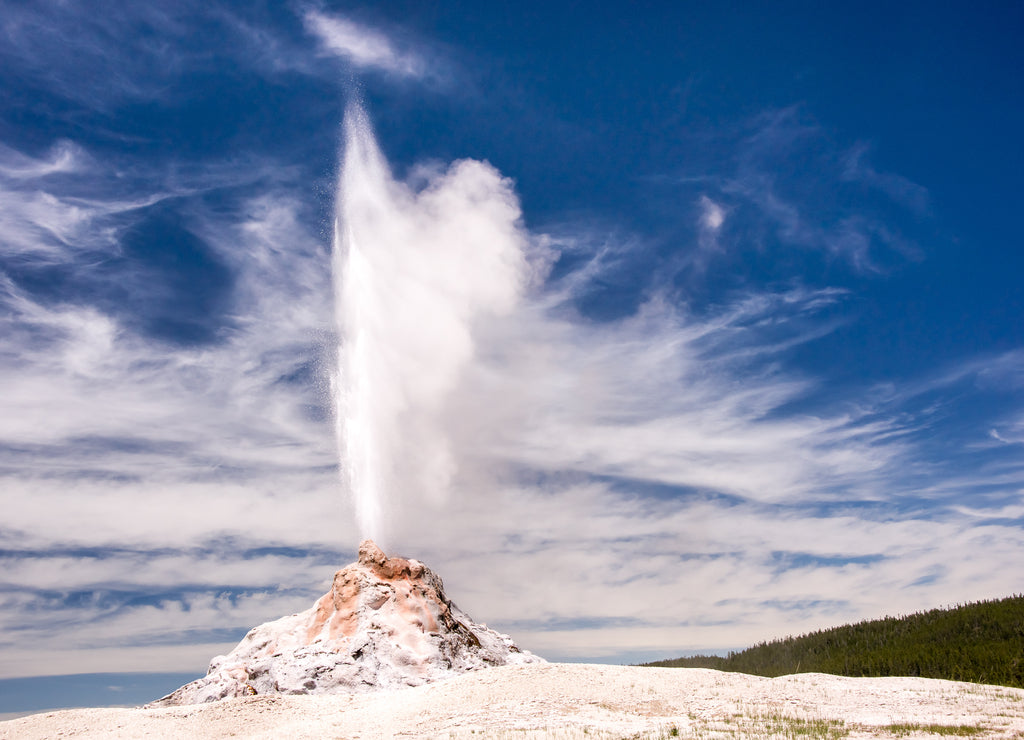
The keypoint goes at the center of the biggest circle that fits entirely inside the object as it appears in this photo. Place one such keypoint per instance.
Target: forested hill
(981, 642)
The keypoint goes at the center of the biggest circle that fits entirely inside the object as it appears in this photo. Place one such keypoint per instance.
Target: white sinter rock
(385, 623)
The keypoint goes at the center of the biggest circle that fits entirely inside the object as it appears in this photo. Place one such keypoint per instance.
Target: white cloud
(64, 157)
(98, 59)
(897, 187)
(644, 481)
(362, 46)
(712, 215)
(709, 224)
(1012, 432)
(816, 207)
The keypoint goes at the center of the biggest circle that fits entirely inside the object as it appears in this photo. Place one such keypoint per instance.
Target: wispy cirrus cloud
(138, 55)
(710, 222)
(63, 157)
(80, 55)
(363, 47)
(233, 423)
(786, 184)
(857, 168)
(44, 215)
(1011, 432)
(712, 214)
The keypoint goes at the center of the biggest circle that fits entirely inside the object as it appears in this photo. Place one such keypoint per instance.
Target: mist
(418, 272)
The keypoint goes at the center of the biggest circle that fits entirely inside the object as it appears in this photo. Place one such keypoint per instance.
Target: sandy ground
(578, 701)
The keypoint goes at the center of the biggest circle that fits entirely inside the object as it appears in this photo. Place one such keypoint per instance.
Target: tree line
(982, 642)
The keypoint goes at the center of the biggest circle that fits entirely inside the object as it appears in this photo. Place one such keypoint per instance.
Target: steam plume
(415, 270)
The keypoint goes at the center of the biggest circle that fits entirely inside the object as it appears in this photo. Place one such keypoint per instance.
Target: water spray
(415, 272)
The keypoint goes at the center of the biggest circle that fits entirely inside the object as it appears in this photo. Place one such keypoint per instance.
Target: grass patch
(773, 725)
(901, 729)
(795, 728)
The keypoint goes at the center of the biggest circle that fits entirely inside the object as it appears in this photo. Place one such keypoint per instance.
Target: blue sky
(761, 372)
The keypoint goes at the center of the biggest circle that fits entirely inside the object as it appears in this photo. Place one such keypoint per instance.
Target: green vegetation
(907, 728)
(777, 725)
(981, 643)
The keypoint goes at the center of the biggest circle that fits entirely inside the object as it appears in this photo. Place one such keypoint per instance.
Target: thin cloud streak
(363, 47)
(657, 397)
(836, 204)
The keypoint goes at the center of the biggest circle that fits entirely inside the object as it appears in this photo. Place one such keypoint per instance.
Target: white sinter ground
(577, 701)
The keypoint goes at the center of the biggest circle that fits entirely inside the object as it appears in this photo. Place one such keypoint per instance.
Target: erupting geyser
(415, 271)
(385, 623)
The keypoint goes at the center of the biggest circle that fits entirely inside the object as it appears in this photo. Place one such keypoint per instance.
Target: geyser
(420, 273)
(416, 269)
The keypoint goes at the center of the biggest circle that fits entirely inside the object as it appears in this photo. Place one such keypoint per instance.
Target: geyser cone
(385, 623)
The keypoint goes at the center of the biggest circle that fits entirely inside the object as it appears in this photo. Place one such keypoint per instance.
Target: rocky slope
(385, 623)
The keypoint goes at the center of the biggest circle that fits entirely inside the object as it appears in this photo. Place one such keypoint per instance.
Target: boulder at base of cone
(385, 623)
